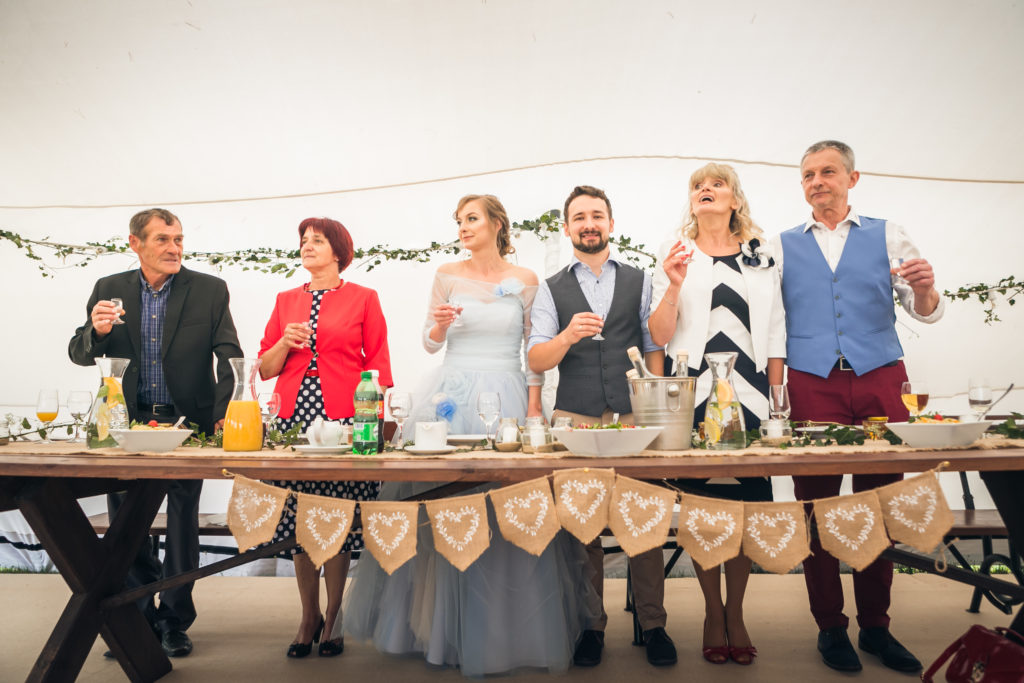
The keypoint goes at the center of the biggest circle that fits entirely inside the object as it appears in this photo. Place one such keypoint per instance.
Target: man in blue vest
(584, 318)
(844, 365)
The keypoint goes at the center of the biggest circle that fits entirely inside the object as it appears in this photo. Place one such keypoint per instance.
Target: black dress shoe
(879, 642)
(300, 650)
(836, 649)
(588, 650)
(661, 651)
(331, 648)
(176, 643)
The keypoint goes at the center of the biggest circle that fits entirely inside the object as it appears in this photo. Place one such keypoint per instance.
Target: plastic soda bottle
(380, 410)
(365, 427)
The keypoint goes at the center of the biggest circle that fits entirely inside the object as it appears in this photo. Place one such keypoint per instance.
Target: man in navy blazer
(175, 323)
(845, 365)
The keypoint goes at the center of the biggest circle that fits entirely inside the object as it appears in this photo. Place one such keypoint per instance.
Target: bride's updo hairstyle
(496, 214)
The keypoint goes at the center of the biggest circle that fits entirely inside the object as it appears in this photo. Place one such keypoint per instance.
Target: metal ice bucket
(665, 402)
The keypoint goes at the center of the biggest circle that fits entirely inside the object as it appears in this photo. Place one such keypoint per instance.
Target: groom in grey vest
(598, 294)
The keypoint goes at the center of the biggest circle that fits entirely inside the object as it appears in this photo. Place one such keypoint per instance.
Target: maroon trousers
(845, 398)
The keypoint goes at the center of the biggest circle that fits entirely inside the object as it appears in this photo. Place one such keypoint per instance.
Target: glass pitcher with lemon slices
(109, 410)
(723, 415)
(243, 423)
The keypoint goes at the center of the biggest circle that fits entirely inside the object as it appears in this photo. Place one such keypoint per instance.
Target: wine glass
(119, 306)
(914, 396)
(456, 303)
(979, 395)
(399, 405)
(778, 401)
(79, 403)
(488, 405)
(270, 406)
(47, 406)
(895, 265)
(599, 336)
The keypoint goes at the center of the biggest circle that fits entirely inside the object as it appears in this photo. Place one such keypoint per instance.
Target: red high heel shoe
(747, 654)
(718, 654)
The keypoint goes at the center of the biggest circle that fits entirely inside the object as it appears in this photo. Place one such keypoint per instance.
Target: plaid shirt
(152, 387)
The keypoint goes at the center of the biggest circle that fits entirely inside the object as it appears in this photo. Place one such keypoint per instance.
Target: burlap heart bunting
(460, 528)
(640, 514)
(322, 525)
(710, 529)
(775, 535)
(851, 528)
(916, 512)
(254, 511)
(526, 514)
(389, 532)
(582, 500)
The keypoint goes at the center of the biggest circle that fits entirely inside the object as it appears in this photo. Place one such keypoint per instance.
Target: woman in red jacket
(318, 340)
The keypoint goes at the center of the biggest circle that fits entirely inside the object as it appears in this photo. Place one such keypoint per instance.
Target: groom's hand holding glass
(582, 325)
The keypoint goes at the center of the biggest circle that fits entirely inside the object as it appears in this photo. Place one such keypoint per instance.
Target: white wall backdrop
(112, 106)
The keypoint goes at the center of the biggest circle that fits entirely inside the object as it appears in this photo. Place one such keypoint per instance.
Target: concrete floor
(246, 623)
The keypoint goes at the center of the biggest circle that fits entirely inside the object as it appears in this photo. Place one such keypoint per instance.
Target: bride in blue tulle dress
(509, 609)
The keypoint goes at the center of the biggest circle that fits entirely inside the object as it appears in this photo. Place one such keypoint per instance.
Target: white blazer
(764, 297)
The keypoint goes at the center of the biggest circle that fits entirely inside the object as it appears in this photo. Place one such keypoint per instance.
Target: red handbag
(981, 656)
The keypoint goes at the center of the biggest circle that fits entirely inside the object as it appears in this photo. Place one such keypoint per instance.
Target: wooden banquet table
(44, 482)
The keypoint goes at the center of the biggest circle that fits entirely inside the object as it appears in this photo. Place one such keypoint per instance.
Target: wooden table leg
(94, 569)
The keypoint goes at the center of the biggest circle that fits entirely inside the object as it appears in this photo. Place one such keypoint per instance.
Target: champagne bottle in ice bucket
(723, 415)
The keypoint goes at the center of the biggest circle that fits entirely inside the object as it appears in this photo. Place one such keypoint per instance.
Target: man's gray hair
(844, 151)
(138, 223)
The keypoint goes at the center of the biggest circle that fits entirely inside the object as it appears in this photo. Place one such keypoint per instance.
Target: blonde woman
(717, 289)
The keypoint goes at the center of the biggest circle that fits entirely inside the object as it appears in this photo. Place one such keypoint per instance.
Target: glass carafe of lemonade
(109, 410)
(243, 424)
(723, 416)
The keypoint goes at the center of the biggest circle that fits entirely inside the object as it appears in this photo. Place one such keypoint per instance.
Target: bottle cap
(365, 375)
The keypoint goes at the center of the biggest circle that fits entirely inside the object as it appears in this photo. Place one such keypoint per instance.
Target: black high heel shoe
(331, 648)
(299, 650)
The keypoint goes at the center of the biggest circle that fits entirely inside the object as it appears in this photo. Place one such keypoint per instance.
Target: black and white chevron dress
(729, 330)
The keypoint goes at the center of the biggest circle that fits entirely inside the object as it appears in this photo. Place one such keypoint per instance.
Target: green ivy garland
(286, 261)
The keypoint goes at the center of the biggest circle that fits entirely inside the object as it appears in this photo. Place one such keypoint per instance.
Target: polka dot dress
(308, 406)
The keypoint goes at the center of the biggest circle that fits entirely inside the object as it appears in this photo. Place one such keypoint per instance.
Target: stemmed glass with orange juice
(914, 396)
(47, 406)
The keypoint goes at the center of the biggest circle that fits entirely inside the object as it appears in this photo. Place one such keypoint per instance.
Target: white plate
(939, 434)
(416, 450)
(150, 440)
(321, 450)
(466, 439)
(606, 443)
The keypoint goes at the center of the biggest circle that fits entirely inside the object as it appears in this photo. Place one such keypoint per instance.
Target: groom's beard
(590, 247)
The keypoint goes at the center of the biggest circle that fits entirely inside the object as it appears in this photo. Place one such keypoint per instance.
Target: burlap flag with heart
(710, 529)
(254, 511)
(389, 532)
(460, 528)
(775, 535)
(582, 500)
(322, 525)
(916, 512)
(851, 528)
(526, 514)
(640, 514)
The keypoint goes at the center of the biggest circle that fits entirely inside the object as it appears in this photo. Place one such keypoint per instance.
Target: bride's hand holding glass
(447, 314)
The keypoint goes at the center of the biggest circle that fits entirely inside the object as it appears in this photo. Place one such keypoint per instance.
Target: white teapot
(324, 432)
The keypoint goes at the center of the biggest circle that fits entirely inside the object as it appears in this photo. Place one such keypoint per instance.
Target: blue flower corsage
(756, 255)
(444, 407)
(509, 285)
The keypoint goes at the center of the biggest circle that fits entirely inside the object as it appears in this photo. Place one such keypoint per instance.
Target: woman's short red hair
(337, 236)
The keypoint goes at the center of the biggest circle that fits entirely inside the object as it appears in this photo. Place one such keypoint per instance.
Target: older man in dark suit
(176, 322)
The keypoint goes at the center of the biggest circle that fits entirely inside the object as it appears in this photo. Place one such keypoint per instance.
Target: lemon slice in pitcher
(713, 431)
(103, 422)
(724, 393)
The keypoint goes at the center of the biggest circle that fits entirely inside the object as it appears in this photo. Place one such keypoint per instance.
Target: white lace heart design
(337, 518)
(642, 503)
(897, 513)
(756, 520)
(251, 501)
(850, 514)
(583, 488)
(526, 503)
(697, 515)
(443, 516)
(377, 519)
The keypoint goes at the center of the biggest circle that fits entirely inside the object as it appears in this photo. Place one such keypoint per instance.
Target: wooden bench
(207, 525)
